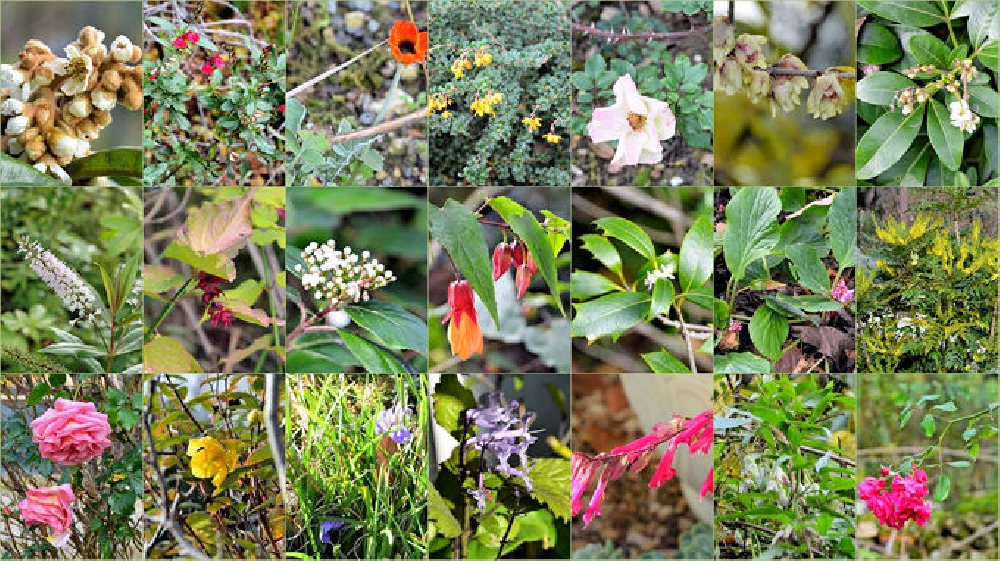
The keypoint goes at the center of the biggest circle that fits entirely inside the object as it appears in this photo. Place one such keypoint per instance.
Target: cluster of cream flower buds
(341, 275)
(78, 296)
(962, 117)
(54, 107)
(740, 65)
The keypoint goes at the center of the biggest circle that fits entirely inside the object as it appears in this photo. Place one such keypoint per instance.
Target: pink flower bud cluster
(696, 432)
(902, 501)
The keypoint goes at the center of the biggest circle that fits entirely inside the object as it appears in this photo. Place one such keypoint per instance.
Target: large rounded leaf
(917, 14)
(751, 227)
(14, 172)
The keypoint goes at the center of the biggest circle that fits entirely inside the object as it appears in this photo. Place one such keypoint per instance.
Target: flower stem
(166, 309)
(510, 522)
(389, 96)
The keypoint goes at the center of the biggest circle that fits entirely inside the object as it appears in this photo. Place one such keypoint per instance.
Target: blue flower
(394, 421)
(328, 527)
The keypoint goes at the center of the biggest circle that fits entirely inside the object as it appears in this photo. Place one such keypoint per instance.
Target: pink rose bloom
(637, 122)
(50, 506)
(72, 432)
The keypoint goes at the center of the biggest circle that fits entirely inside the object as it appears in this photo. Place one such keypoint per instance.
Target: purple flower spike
(504, 433)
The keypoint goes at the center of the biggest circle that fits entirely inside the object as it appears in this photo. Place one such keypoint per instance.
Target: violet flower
(395, 421)
(328, 527)
(504, 433)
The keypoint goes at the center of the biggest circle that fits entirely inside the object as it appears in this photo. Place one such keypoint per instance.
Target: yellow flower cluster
(459, 67)
(438, 103)
(210, 459)
(552, 138)
(532, 122)
(483, 58)
(484, 105)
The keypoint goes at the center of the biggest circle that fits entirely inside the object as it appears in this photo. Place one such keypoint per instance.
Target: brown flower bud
(87, 129)
(90, 35)
(136, 54)
(101, 118)
(111, 80)
(130, 94)
(34, 148)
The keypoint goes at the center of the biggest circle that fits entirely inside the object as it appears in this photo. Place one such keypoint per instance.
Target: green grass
(335, 472)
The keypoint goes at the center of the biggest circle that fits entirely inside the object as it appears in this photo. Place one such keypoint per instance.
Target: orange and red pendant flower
(408, 44)
(463, 332)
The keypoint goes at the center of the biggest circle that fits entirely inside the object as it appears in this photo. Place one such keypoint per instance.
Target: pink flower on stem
(841, 293)
(207, 68)
(901, 502)
(71, 432)
(218, 61)
(637, 122)
(50, 506)
(735, 326)
(180, 43)
(191, 36)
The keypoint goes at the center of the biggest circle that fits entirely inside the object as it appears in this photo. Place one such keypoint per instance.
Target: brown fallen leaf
(786, 364)
(830, 341)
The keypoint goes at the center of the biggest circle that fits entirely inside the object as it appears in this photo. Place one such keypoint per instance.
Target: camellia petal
(608, 123)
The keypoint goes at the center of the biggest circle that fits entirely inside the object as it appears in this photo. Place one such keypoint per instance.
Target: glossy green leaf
(695, 264)
(943, 488)
(878, 45)
(662, 362)
(917, 14)
(911, 169)
(318, 355)
(946, 139)
(947, 407)
(807, 302)
(216, 263)
(720, 313)
(119, 162)
(989, 55)
(663, 296)
(629, 233)
(843, 221)
(983, 22)
(741, 363)
(768, 331)
(928, 425)
(886, 141)
(37, 394)
(984, 101)
(881, 87)
(526, 226)
(751, 227)
(604, 251)
(611, 314)
(372, 358)
(808, 269)
(928, 49)
(390, 324)
(14, 172)
(584, 285)
(459, 231)
(440, 514)
(450, 399)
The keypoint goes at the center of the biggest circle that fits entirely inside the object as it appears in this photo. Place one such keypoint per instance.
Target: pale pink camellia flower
(50, 506)
(637, 122)
(841, 293)
(72, 432)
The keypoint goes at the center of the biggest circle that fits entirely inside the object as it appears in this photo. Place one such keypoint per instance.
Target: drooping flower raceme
(464, 333)
(395, 421)
(341, 275)
(637, 122)
(78, 296)
(696, 432)
(503, 432)
(901, 502)
(209, 458)
(51, 506)
(71, 432)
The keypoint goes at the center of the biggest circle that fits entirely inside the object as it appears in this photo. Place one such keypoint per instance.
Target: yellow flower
(210, 459)
(553, 138)
(484, 105)
(532, 122)
(483, 58)
(446, 115)
(458, 69)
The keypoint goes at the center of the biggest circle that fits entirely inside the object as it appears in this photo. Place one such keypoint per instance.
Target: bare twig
(775, 71)
(313, 81)
(397, 123)
(627, 35)
(687, 340)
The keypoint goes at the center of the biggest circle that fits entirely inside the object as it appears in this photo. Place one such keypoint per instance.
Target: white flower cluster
(664, 271)
(52, 107)
(76, 294)
(341, 275)
(135, 295)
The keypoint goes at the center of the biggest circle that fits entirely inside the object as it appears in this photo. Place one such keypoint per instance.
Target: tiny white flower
(80, 107)
(121, 49)
(82, 148)
(676, 181)
(65, 146)
(10, 77)
(16, 125)
(664, 271)
(11, 107)
(78, 67)
(962, 117)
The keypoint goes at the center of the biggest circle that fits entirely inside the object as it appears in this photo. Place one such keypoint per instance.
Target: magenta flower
(637, 122)
(841, 293)
(735, 326)
(903, 501)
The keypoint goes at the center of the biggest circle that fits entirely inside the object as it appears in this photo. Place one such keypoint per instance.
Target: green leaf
(741, 363)
(886, 141)
(808, 269)
(612, 314)
(768, 331)
(984, 101)
(166, 355)
(911, 169)
(526, 226)
(391, 325)
(946, 139)
(695, 266)
(216, 264)
(459, 231)
(318, 356)
(450, 399)
(751, 228)
(917, 14)
(928, 425)
(440, 514)
(983, 20)
(990, 55)
(37, 394)
(662, 362)
(808, 302)
(119, 162)
(880, 88)
(948, 407)
(604, 251)
(215, 228)
(843, 220)
(14, 172)
(928, 49)
(372, 358)
(878, 45)
(629, 233)
(943, 488)
(720, 312)
(261, 454)
(73, 348)
(663, 296)
(551, 478)
(584, 285)
(595, 65)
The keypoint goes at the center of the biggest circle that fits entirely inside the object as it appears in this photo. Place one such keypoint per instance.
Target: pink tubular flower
(841, 293)
(637, 122)
(709, 485)
(901, 502)
(735, 326)
(50, 506)
(72, 432)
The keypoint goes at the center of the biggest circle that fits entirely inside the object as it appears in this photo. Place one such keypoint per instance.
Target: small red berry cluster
(209, 284)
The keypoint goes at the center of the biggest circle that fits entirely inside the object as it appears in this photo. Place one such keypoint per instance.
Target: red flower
(281, 109)
(524, 273)
(218, 61)
(207, 68)
(180, 43)
(464, 333)
(503, 255)
(408, 44)
(210, 285)
(220, 315)
(191, 36)
(281, 211)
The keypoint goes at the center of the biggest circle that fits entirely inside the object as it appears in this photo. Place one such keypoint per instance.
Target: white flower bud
(121, 49)
(103, 99)
(11, 107)
(16, 125)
